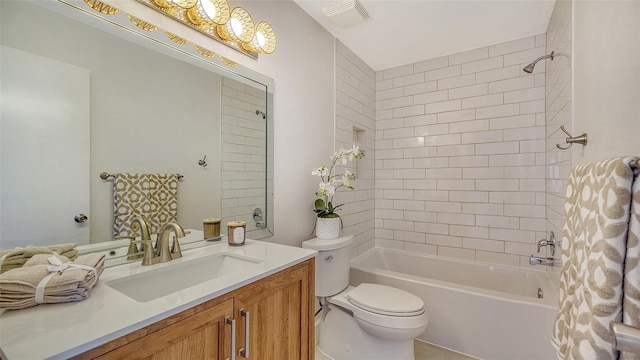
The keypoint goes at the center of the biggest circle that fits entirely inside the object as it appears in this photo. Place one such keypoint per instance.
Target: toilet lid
(386, 300)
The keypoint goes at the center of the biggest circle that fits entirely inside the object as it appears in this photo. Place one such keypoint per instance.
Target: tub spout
(535, 260)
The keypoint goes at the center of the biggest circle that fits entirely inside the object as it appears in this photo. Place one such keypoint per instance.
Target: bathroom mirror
(112, 96)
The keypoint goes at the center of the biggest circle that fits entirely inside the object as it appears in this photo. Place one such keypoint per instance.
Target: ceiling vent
(347, 13)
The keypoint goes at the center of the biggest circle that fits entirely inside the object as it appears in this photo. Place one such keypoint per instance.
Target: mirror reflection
(79, 101)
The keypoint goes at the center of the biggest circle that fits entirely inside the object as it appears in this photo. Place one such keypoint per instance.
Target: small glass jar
(236, 232)
(211, 228)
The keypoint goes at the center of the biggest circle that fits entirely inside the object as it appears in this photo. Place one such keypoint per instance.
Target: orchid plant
(331, 182)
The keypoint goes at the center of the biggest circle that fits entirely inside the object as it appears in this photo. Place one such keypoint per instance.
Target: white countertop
(59, 331)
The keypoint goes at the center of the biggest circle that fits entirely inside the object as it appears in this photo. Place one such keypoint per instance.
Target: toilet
(368, 321)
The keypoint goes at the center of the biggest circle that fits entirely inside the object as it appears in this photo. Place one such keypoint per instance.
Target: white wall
(606, 78)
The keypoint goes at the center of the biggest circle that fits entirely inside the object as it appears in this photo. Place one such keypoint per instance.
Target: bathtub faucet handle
(551, 243)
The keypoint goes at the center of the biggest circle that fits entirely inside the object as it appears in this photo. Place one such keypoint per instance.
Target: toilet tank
(332, 264)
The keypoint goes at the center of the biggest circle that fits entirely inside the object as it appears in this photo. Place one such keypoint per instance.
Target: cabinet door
(201, 336)
(280, 316)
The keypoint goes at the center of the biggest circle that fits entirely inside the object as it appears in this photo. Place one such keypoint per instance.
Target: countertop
(59, 331)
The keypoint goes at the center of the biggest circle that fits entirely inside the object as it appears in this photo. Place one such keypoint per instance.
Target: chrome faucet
(162, 251)
(534, 260)
(551, 243)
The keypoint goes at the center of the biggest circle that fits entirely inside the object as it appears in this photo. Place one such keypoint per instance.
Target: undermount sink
(156, 283)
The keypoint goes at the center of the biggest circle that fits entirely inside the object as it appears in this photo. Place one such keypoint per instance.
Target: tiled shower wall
(355, 109)
(460, 154)
(558, 113)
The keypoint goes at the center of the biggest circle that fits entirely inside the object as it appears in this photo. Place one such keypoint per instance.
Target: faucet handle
(176, 252)
(150, 257)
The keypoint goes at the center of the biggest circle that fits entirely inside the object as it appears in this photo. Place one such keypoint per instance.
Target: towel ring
(570, 140)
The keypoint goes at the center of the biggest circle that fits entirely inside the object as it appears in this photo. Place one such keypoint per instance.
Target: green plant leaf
(319, 205)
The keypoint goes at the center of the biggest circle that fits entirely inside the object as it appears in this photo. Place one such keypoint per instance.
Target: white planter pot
(328, 228)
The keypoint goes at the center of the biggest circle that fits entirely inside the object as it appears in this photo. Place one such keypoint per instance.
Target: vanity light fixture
(204, 52)
(209, 13)
(101, 7)
(240, 26)
(213, 18)
(142, 24)
(175, 38)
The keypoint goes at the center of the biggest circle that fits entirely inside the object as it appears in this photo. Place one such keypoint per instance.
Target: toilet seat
(385, 300)
(381, 312)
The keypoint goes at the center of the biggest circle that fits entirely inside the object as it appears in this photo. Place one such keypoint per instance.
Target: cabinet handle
(244, 352)
(232, 322)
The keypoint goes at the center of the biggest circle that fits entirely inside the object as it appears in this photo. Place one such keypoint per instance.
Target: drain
(540, 293)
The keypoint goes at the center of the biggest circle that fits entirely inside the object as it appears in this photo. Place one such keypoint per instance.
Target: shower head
(258, 112)
(529, 68)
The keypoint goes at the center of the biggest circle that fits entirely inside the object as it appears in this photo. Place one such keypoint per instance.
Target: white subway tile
(431, 130)
(388, 94)
(420, 120)
(397, 102)
(397, 225)
(456, 219)
(407, 80)
(430, 97)
(497, 111)
(511, 235)
(398, 133)
(442, 73)
(512, 160)
(497, 185)
(498, 221)
(483, 137)
(444, 207)
(526, 133)
(488, 76)
(420, 88)
(397, 71)
(444, 173)
(483, 173)
(524, 56)
(421, 248)
(482, 101)
(432, 228)
(431, 64)
(397, 164)
(416, 141)
(411, 205)
(398, 195)
(455, 150)
(420, 152)
(482, 65)
(525, 172)
(510, 122)
(389, 244)
(420, 216)
(532, 224)
(437, 140)
(469, 126)
(384, 84)
(497, 148)
(389, 154)
(444, 240)
(513, 197)
(431, 195)
(453, 116)
(408, 111)
(497, 258)
(532, 107)
(468, 91)
(531, 211)
(532, 185)
(468, 231)
(456, 81)
(468, 56)
(469, 161)
(409, 173)
(388, 184)
(456, 253)
(483, 244)
(527, 146)
(429, 163)
(442, 106)
(513, 46)
(455, 185)
(522, 82)
(522, 95)
(519, 248)
(482, 209)
(469, 196)
(423, 184)
(410, 236)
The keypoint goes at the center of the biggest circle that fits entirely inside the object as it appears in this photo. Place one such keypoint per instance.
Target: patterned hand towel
(597, 212)
(46, 279)
(153, 197)
(631, 286)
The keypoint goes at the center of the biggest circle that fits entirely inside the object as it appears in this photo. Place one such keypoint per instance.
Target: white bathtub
(482, 310)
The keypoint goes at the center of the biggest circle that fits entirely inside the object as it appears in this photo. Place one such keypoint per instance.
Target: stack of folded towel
(15, 258)
(48, 279)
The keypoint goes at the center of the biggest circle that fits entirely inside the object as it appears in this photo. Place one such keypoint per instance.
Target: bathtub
(481, 310)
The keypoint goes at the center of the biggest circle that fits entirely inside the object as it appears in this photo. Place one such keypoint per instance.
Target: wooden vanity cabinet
(279, 310)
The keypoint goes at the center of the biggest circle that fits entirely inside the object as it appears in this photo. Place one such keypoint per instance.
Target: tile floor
(424, 351)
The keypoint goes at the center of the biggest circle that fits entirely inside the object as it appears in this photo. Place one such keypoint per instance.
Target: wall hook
(570, 140)
(203, 162)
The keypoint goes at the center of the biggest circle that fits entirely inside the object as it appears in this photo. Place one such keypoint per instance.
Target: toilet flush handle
(329, 258)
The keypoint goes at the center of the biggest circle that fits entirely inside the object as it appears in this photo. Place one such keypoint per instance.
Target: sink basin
(156, 283)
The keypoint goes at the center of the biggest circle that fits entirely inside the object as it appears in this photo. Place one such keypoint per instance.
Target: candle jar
(236, 232)
(211, 228)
